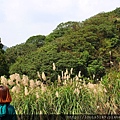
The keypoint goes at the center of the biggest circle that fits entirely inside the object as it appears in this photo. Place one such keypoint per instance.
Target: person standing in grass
(7, 111)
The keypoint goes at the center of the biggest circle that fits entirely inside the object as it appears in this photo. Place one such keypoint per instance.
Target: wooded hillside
(91, 46)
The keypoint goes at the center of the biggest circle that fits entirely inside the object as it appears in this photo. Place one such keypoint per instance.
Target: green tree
(3, 63)
(96, 68)
(37, 40)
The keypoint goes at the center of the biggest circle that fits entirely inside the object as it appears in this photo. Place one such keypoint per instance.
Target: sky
(21, 19)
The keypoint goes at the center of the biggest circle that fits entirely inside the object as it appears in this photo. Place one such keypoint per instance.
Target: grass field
(66, 96)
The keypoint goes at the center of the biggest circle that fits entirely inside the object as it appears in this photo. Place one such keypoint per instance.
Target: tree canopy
(84, 46)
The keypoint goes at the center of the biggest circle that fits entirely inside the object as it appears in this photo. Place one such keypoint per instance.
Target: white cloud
(20, 19)
(51, 6)
(90, 8)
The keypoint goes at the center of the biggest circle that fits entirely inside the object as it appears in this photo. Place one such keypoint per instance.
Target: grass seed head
(65, 82)
(43, 88)
(57, 94)
(11, 83)
(40, 112)
(37, 95)
(32, 84)
(3, 80)
(38, 83)
(18, 79)
(91, 86)
(66, 72)
(59, 79)
(93, 76)
(71, 70)
(26, 91)
(105, 90)
(76, 91)
(38, 73)
(79, 74)
(15, 89)
(68, 77)
(94, 91)
(98, 107)
(54, 67)
(12, 77)
(76, 78)
(43, 76)
(25, 80)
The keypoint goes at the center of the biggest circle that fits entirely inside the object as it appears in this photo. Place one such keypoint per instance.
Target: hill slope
(91, 46)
